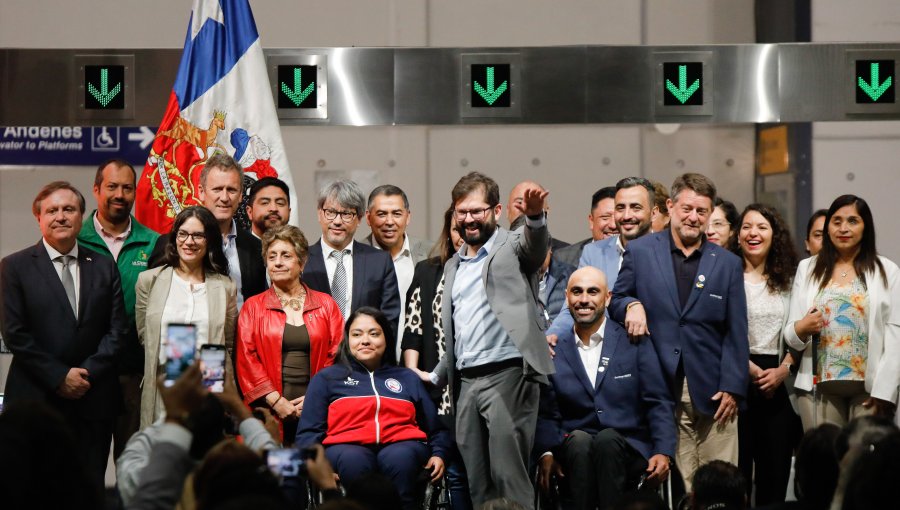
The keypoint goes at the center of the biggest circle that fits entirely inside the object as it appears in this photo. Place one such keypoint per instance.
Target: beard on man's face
(476, 233)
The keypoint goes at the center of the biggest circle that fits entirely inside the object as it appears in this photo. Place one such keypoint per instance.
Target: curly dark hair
(215, 260)
(781, 261)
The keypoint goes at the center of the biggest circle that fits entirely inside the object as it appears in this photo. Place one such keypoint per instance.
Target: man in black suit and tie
(220, 191)
(354, 274)
(63, 318)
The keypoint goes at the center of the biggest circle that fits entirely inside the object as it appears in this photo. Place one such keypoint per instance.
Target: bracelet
(632, 304)
(276, 401)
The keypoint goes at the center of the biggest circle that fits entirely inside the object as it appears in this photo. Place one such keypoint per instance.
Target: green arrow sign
(873, 89)
(104, 95)
(490, 94)
(682, 92)
(296, 95)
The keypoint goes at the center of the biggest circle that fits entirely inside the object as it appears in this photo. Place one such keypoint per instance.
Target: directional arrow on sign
(296, 95)
(145, 137)
(873, 89)
(490, 94)
(682, 92)
(104, 95)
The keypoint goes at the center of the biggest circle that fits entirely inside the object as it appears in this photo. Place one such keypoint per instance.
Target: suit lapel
(569, 352)
(44, 267)
(216, 301)
(664, 261)
(502, 237)
(359, 277)
(704, 270)
(447, 306)
(85, 277)
(607, 352)
(315, 274)
(612, 262)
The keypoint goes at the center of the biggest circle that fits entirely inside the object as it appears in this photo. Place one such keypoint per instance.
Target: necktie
(67, 281)
(339, 281)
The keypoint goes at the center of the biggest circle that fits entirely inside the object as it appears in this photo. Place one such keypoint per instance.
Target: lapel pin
(604, 360)
(601, 369)
(701, 278)
(88, 259)
(699, 285)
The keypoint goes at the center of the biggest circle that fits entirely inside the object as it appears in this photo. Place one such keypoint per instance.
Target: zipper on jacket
(377, 409)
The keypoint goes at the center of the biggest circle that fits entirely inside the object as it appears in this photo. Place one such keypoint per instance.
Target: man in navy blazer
(632, 205)
(607, 416)
(354, 274)
(63, 317)
(688, 295)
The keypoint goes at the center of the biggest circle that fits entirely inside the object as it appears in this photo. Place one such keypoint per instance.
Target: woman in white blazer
(845, 306)
(192, 286)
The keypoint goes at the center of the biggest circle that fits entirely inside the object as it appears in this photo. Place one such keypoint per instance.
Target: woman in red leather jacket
(286, 334)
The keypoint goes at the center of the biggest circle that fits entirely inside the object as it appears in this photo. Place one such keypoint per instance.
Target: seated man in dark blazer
(63, 317)
(607, 416)
(221, 189)
(354, 274)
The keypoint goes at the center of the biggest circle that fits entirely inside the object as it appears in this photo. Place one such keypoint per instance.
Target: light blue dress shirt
(229, 245)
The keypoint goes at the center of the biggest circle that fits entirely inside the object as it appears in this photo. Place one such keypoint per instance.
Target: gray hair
(388, 190)
(346, 193)
(225, 163)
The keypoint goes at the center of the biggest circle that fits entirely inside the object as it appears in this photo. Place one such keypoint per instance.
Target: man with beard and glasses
(496, 351)
(111, 230)
(269, 205)
(606, 418)
(632, 213)
(688, 296)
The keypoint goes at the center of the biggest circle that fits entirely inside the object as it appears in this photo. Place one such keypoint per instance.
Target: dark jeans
(767, 434)
(597, 467)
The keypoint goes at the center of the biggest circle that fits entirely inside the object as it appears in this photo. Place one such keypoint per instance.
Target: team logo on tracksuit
(393, 385)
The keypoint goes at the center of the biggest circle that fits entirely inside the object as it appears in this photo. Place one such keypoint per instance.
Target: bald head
(587, 294)
(517, 196)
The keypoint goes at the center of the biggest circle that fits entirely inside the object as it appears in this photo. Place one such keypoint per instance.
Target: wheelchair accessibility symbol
(104, 139)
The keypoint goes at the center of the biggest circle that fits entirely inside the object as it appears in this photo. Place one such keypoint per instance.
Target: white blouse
(188, 303)
(765, 313)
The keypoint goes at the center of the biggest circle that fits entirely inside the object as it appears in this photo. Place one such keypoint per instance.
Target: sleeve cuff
(545, 454)
(538, 223)
(433, 377)
(175, 434)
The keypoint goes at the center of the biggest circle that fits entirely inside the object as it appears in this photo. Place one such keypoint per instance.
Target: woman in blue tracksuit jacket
(371, 416)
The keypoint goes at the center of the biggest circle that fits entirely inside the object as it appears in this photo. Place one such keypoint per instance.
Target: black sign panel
(683, 83)
(104, 87)
(491, 86)
(297, 86)
(875, 81)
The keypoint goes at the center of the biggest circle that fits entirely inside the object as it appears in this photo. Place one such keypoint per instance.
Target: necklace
(295, 303)
(843, 274)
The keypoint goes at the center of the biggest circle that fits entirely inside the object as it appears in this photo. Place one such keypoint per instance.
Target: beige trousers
(701, 439)
(836, 402)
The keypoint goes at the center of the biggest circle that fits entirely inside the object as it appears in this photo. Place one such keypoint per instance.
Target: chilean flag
(221, 101)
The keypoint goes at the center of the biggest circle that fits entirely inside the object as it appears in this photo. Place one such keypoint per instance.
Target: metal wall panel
(753, 83)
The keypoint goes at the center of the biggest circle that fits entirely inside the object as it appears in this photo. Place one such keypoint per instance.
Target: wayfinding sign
(299, 85)
(870, 81)
(683, 83)
(105, 86)
(490, 85)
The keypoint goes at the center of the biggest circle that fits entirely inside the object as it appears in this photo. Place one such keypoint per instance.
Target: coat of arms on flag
(220, 101)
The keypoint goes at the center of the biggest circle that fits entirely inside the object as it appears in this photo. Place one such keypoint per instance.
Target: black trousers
(93, 438)
(597, 467)
(768, 431)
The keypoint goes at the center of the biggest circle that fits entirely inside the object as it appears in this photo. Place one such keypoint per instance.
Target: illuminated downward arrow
(490, 94)
(296, 95)
(873, 89)
(104, 95)
(682, 92)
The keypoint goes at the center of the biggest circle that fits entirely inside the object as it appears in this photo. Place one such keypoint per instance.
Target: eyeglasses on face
(197, 237)
(331, 214)
(477, 214)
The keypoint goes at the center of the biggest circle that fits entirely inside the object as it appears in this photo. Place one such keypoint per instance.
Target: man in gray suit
(388, 215)
(495, 347)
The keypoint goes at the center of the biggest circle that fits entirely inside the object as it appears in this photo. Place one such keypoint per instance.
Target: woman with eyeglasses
(723, 224)
(845, 320)
(191, 287)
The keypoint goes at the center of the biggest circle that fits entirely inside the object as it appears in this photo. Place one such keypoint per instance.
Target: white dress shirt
(187, 303)
(590, 353)
(73, 267)
(229, 246)
(331, 265)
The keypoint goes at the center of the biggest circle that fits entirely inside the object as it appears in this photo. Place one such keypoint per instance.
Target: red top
(261, 328)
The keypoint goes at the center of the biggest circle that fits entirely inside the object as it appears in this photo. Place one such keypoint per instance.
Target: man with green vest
(112, 230)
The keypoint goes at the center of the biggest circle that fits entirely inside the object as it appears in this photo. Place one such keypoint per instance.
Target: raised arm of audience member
(162, 480)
